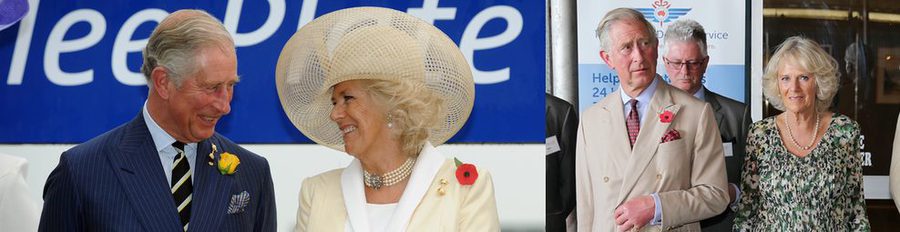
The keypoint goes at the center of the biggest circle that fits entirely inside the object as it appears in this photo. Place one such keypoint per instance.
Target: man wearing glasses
(686, 61)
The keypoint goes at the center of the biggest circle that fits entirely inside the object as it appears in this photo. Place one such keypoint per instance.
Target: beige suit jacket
(323, 206)
(688, 174)
(895, 167)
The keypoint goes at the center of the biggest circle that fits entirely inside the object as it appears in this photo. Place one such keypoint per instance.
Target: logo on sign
(662, 12)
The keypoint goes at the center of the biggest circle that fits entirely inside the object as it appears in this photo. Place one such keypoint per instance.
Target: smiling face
(797, 88)
(360, 118)
(203, 97)
(632, 54)
(685, 65)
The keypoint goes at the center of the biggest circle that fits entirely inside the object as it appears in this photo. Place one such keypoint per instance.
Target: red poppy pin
(666, 117)
(466, 174)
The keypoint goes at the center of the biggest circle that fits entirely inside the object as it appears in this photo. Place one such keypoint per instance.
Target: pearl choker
(390, 178)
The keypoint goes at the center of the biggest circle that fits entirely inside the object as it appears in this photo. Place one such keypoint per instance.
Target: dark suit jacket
(733, 118)
(562, 122)
(115, 182)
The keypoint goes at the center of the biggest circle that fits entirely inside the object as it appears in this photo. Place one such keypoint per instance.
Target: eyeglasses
(691, 64)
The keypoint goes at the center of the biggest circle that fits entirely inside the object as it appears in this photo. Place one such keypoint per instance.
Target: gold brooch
(441, 189)
(211, 157)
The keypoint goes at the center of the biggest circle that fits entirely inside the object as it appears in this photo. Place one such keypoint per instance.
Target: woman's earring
(390, 123)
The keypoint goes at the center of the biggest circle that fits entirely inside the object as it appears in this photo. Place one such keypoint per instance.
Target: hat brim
(11, 11)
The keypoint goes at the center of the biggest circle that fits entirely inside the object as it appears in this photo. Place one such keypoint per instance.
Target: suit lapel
(211, 189)
(615, 111)
(141, 176)
(713, 101)
(648, 139)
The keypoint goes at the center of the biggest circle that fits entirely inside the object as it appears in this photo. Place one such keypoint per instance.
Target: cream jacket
(688, 173)
(335, 200)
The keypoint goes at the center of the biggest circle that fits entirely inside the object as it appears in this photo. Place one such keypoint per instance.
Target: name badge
(729, 151)
(552, 145)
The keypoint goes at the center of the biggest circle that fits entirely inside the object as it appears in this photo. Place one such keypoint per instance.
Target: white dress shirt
(701, 94)
(163, 142)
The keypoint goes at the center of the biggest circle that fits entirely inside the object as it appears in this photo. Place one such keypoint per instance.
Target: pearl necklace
(390, 178)
(791, 133)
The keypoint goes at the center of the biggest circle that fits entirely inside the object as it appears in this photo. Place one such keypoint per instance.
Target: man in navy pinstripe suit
(128, 179)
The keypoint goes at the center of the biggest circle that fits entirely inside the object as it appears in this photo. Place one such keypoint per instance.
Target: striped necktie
(182, 188)
(632, 122)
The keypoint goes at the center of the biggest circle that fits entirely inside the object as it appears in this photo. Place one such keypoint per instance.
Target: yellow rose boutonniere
(228, 163)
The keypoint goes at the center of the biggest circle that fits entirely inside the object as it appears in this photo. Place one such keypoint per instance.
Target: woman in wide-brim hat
(385, 87)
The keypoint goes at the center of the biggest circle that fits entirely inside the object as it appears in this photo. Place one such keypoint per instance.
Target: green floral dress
(819, 192)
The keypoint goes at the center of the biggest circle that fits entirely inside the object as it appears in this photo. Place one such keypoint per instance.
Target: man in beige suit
(648, 156)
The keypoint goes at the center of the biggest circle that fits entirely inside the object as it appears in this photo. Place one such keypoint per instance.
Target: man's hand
(635, 213)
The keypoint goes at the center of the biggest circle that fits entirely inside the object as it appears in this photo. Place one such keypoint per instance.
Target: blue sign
(70, 70)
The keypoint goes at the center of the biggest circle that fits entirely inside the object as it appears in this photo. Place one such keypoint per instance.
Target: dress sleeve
(749, 205)
(856, 200)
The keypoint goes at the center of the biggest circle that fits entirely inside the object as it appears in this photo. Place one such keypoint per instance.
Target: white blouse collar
(427, 166)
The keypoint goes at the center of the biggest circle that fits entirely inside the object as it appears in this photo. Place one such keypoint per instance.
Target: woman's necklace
(791, 133)
(390, 178)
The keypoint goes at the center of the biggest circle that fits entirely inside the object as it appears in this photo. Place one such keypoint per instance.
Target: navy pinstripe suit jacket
(115, 182)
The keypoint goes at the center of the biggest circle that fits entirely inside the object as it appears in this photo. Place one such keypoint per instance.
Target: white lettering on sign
(124, 45)
(866, 159)
(862, 144)
(307, 12)
(470, 41)
(273, 21)
(56, 46)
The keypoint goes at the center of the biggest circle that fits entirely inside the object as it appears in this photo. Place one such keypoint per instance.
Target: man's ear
(705, 64)
(160, 79)
(605, 56)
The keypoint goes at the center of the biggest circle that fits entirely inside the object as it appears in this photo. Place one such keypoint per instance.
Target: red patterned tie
(632, 122)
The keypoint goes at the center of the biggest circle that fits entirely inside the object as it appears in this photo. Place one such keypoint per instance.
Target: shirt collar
(645, 96)
(161, 139)
(701, 94)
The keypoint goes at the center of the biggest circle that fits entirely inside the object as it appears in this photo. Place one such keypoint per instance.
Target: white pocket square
(238, 202)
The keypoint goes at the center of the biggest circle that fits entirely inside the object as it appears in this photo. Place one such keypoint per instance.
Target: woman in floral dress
(802, 171)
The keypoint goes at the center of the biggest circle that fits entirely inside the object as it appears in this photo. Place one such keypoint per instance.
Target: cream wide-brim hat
(370, 43)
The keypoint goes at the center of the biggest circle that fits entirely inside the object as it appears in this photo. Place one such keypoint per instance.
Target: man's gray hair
(620, 14)
(686, 30)
(177, 39)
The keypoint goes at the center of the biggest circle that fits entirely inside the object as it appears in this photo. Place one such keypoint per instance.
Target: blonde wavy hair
(807, 54)
(413, 109)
